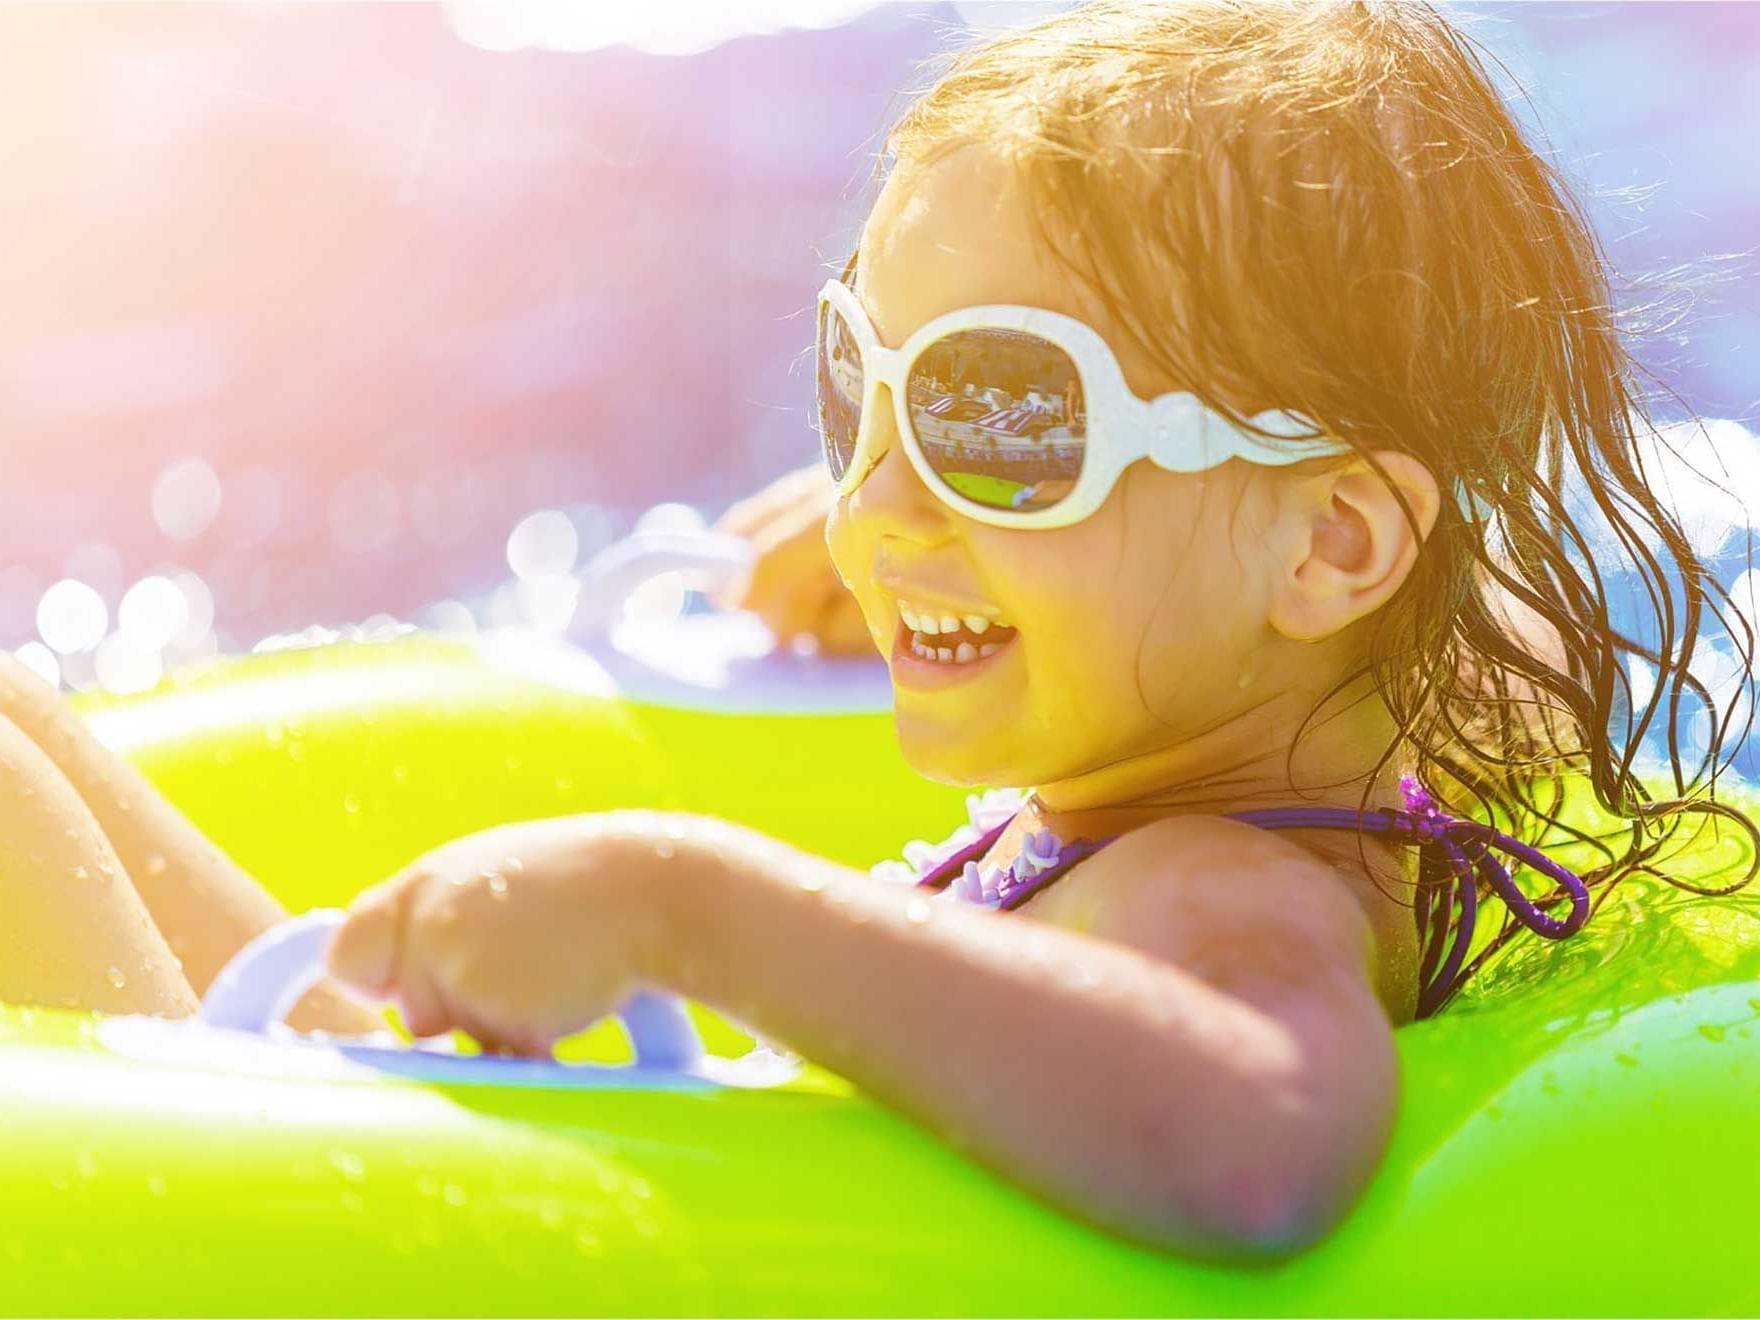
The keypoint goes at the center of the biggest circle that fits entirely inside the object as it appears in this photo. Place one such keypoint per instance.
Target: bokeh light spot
(152, 613)
(124, 666)
(543, 543)
(72, 617)
(186, 499)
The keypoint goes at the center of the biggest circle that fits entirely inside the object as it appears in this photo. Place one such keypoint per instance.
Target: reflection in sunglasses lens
(840, 390)
(1000, 416)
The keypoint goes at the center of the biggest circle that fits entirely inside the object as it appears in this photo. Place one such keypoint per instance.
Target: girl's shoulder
(1207, 892)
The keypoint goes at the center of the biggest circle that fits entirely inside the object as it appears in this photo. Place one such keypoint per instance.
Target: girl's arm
(1225, 1087)
(205, 906)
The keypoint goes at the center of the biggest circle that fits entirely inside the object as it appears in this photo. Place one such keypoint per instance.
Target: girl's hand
(792, 585)
(518, 936)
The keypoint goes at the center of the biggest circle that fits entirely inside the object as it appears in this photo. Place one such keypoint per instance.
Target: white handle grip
(265, 979)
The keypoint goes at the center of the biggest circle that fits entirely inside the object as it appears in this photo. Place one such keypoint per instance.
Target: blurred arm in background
(792, 585)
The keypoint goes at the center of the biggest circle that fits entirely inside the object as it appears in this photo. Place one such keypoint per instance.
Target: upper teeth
(924, 620)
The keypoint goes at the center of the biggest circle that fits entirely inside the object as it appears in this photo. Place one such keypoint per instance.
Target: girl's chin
(969, 758)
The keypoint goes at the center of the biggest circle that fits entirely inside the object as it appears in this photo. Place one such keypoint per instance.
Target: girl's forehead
(955, 232)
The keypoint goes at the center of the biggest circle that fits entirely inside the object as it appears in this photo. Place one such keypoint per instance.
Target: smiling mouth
(950, 639)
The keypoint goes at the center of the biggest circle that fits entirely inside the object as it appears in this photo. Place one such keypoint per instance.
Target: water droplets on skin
(1711, 1031)
(917, 911)
(497, 885)
(156, 865)
(80, 873)
(665, 851)
(116, 977)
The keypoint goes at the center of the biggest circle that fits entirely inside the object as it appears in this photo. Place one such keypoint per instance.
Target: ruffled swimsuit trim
(1465, 844)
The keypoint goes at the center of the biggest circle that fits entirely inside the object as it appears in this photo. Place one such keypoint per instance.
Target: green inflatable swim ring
(1566, 1144)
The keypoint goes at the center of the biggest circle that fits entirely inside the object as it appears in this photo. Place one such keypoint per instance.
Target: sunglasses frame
(1175, 431)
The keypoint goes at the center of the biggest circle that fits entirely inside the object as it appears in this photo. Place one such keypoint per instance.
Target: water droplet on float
(87, 1166)
(351, 804)
(453, 1194)
(116, 978)
(1711, 1031)
(157, 1185)
(917, 911)
(1625, 1059)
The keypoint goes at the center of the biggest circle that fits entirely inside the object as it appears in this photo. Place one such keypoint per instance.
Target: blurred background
(351, 314)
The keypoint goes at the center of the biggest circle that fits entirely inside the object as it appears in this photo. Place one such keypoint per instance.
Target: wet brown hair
(1328, 208)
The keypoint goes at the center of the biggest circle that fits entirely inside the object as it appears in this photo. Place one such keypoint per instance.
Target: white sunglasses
(1017, 416)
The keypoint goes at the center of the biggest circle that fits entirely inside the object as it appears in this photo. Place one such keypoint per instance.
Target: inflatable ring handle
(609, 577)
(265, 979)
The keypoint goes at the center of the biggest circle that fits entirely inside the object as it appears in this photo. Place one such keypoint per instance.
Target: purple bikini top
(1466, 844)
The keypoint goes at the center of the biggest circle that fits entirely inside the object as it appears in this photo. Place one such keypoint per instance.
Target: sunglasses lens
(1000, 417)
(840, 390)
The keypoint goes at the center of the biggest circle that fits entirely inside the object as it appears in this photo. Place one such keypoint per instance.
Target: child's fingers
(365, 950)
(753, 514)
(424, 1010)
(842, 629)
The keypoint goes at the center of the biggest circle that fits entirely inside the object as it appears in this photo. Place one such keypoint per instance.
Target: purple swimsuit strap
(1465, 843)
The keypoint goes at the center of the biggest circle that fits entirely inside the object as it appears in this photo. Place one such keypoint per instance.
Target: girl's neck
(1247, 762)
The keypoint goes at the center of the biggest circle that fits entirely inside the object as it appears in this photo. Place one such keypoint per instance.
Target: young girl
(1288, 347)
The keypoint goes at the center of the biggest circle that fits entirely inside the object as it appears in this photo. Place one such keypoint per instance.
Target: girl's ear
(1342, 545)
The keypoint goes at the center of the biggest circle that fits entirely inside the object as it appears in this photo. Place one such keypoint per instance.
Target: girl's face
(1137, 629)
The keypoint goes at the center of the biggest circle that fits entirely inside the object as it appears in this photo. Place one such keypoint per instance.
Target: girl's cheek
(840, 542)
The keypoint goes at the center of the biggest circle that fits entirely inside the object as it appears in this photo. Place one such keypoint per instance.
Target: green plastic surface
(1577, 1134)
